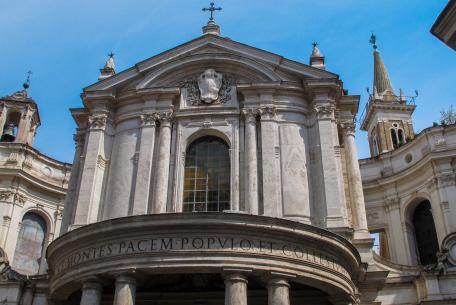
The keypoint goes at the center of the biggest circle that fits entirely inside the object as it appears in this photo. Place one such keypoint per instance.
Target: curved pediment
(246, 64)
(243, 69)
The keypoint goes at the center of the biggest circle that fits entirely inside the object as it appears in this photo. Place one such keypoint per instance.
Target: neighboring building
(32, 198)
(444, 27)
(410, 193)
(219, 173)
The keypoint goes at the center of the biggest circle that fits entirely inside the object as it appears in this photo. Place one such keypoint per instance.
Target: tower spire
(382, 81)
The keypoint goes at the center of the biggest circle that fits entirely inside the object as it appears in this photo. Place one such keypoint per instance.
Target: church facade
(218, 173)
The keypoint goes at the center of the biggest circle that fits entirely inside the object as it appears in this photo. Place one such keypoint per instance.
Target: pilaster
(332, 187)
(145, 159)
(272, 198)
(96, 153)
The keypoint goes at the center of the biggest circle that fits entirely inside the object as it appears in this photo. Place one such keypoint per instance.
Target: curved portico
(238, 248)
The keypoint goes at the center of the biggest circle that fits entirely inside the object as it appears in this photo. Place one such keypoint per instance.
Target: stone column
(251, 163)
(271, 188)
(235, 289)
(162, 170)
(278, 292)
(355, 182)
(146, 156)
(27, 294)
(91, 293)
(96, 149)
(125, 293)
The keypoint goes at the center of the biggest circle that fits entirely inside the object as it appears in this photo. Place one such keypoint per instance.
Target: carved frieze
(392, 204)
(19, 199)
(6, 195)
(209, 88)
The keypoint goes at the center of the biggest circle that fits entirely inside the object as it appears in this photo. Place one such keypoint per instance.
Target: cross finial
(111, 55)
(373, 41)
(212, 9)
(314, 44)
(26, 85)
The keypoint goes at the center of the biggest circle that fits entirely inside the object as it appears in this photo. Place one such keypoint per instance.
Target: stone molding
(178, 242)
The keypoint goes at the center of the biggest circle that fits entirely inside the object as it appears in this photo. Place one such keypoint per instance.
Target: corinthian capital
(98, 121)
(323, 111)
(348, 127)
(149, 119)
(250, 114)
(165, 117)
(267, 112)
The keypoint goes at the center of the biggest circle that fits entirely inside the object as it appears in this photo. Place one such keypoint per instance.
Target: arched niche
(30, 244)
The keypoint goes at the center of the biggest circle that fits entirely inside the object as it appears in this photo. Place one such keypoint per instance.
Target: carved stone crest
(209, 84)
(209, 88)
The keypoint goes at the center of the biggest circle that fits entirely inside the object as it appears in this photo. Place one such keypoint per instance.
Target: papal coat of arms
(208, 88)
(209, 84)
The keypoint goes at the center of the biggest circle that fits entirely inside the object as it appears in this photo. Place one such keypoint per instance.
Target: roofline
(281, 59)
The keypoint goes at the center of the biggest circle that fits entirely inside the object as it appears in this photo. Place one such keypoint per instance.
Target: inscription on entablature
(212, 244)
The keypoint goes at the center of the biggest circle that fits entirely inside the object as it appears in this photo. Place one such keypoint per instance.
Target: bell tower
(19, 117)
(387, 117)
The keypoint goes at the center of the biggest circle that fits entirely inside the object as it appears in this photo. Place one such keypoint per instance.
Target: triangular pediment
(245, 63)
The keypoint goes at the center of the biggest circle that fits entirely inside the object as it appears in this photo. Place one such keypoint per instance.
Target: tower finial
(26, 84)
(373, 41)
(109, 68)
(317, 59)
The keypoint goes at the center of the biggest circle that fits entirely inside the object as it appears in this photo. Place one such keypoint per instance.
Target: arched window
(394, 138)
(425, 234)
(30, 242)
(207, 176)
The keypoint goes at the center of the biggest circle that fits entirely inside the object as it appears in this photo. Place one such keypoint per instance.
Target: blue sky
(65, 43)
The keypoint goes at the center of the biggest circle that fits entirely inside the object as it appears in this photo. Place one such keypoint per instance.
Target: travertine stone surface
(162, 173)
(251, 161)
(125, 293)
(91, 293)
(278, 292)
(235, 289)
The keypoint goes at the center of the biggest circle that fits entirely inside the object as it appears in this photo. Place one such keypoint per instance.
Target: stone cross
(212, 9)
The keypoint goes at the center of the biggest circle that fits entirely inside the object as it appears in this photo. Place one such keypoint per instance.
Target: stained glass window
(207, 176)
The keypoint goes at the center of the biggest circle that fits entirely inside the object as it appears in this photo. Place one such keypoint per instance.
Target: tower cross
(212, 9)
